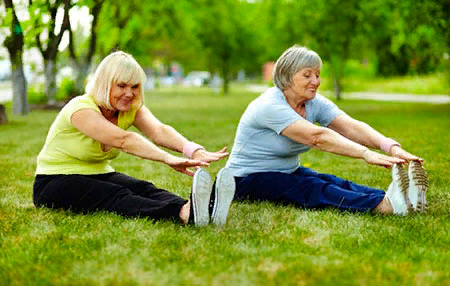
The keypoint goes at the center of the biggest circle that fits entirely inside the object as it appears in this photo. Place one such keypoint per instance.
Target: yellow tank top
(69, 151)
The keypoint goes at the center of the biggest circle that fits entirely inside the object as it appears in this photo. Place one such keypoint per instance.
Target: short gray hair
(116, 67)
(291, 62)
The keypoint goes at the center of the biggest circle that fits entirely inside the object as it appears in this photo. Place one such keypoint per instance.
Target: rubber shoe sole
(224, 190)
(201, 192)
(418, 186)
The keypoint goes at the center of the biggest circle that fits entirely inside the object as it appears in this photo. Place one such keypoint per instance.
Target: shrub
(36, 94)
(66, 90)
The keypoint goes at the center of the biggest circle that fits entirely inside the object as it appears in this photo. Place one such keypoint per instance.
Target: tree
(45, 33)
(225, 32)
(407, 35)
(14, 42)
(444, 26)
(82, 61)
(141, 34)
(332, 26)
(3, 116)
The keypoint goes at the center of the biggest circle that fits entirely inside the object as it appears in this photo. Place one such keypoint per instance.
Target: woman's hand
(209, 157)
(398, 152)
(182, 164)
(375, 158)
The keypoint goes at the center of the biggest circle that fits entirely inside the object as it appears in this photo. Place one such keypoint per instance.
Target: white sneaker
(418, 186)
(397, 192)
(201, 192)
(221, 196)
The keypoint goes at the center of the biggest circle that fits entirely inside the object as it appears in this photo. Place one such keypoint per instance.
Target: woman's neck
(109, 113)
(294, 100)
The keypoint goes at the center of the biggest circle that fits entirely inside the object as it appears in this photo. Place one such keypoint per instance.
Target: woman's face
(306, 82)
(123, 95)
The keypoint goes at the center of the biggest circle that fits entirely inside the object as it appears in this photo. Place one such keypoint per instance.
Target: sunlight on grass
(430, 84)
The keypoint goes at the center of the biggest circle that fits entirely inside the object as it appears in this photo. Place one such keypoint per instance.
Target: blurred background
(49, 48)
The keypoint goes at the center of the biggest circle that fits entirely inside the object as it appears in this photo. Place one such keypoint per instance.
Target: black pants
(113, 192)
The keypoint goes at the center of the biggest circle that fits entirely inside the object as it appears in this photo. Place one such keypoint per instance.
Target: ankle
(184, 212)
(384, 207)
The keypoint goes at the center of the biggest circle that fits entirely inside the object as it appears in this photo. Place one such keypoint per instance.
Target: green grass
(262, 243)
(426, 84)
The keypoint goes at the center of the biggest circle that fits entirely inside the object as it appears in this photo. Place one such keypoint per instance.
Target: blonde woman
(73, 168)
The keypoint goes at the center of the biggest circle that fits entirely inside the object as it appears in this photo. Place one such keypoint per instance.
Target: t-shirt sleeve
(82, 103)
(276, 116)
(327, 110)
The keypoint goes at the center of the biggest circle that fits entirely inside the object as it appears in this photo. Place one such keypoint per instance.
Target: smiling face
(123, 95)
(305, 84)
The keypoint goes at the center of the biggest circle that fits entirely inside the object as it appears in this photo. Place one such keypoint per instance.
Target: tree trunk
(3, 116)
(337, 72)
(81, 72)
(337, 87)
(50, 81)
(51, 53)
(226, 79)
(20, 99)
(14, 43)
(82, 64)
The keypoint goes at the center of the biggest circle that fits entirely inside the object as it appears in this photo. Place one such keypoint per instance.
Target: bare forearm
(357, 131)
(331, 141)
(366, 135)
(169, 138)
(137, 145)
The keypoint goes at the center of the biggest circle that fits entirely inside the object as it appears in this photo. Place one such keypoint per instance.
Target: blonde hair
(116, 67)
(291, 62)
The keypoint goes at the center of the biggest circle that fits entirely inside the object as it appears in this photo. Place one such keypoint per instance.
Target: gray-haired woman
(281, 124)
(73, 168)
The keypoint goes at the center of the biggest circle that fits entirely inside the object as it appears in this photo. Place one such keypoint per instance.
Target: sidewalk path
(5, 95)
(436, 99)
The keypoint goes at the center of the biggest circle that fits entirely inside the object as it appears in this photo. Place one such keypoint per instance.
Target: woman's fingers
(185, 171)
(400, 153)
(188, 172)
(223, 150)
(195, 163)
(384, 160)
(211, 156)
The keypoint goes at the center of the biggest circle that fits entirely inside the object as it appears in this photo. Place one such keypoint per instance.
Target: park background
(378, 49)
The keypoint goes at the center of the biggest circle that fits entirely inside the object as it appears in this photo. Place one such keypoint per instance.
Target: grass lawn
(436, 83)
(262, 243)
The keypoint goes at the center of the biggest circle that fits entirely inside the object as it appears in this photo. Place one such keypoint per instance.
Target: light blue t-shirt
(259, 145)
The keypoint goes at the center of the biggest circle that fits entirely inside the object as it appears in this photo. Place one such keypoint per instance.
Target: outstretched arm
(94, 125)
(166, 136)
(364, 134)
(328, 140)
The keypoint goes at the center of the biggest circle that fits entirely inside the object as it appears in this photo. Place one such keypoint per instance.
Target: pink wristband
(387, 144)
(190, 147)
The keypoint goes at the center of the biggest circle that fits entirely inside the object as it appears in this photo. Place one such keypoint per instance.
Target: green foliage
(66, 89)
(406, 35)
(142, 34)
(399, 37)
(36, 94)
(228, 40)
(7, 20)
(262, 243)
